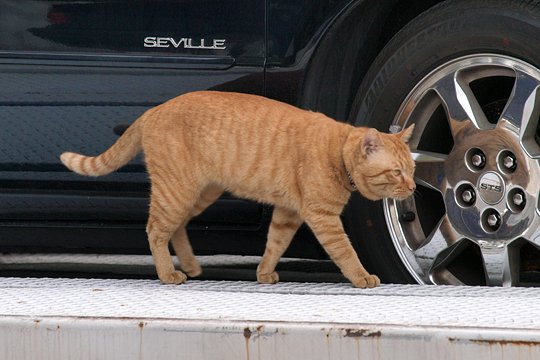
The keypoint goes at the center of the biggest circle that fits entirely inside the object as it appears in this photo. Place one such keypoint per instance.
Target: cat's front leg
(282, 228)
(328, 229)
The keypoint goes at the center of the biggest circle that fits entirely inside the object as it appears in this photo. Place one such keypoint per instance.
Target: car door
(72, 71)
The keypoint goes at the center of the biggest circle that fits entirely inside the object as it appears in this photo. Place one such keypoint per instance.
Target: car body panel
(72, 71)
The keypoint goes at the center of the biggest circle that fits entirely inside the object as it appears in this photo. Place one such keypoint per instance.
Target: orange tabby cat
(200, 144)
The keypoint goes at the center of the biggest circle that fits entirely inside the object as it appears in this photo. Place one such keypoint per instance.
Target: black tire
(447, 31)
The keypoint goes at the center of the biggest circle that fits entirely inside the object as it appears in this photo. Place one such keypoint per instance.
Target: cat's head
(382, 164)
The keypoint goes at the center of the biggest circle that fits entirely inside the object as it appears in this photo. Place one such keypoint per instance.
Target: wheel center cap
(491, 187)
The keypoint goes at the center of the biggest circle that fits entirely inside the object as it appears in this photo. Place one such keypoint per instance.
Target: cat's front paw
(368, 281)
(175, 277)
(271, 278)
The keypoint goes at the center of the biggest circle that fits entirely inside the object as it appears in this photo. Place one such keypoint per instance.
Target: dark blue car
(74, 74)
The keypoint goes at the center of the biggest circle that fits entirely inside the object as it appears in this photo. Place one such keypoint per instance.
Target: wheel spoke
(500, 264)
(520, 105)
(436, 243)
(438, 270)
(523, 109)
(429, 169)
(533, 233)
(460, 104)
(440, 238)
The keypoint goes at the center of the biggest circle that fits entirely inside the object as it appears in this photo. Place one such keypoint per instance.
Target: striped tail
(119, 154)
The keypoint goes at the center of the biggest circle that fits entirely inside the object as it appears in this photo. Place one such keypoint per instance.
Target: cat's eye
(396, 172)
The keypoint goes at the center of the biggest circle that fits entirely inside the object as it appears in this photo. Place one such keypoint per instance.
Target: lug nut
(518, 199)
(408, 216)
(468, 196)
(493, 220)
(509, 162)
(478, 160)
(465, 195)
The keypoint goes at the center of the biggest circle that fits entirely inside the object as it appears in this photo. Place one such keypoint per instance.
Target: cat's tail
(123, 150)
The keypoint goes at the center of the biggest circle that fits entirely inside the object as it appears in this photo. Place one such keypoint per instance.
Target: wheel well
(345, 53)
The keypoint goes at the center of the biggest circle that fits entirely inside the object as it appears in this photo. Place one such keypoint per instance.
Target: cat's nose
(412, 186)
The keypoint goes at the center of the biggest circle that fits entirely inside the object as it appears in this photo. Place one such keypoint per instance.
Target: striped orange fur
(203, 143)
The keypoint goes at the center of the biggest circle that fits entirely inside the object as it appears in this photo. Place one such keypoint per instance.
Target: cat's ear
(406, 134)
(371, 142)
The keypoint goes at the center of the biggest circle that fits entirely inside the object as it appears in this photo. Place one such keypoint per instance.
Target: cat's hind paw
(192, 270)
(368, 281)
(271, 278)
(175, 277)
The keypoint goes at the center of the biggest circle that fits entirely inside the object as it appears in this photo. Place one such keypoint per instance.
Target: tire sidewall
(446, 32)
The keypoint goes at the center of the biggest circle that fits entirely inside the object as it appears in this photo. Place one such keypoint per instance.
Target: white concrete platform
(142, 319)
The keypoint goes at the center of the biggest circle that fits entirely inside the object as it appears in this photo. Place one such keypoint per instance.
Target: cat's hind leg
(284, 225)
(184, 252)
(180, 241)
(170, 207)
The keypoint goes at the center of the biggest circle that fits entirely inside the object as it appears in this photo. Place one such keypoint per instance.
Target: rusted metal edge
(80, 338)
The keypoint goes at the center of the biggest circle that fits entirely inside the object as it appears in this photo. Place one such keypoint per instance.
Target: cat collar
(351, 181)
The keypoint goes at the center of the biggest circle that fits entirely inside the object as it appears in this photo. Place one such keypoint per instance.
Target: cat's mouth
(402, 196)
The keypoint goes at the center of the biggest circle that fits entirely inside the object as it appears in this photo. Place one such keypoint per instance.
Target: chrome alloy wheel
(477, 153)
